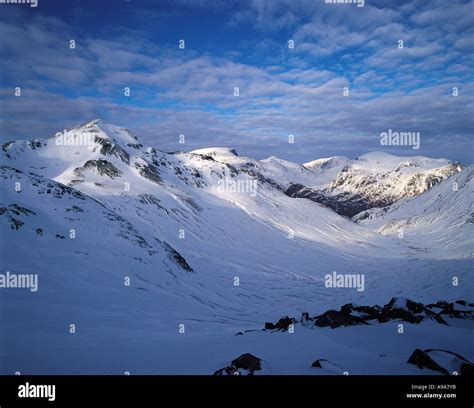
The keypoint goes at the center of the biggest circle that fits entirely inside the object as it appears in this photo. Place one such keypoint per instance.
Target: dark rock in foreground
(459, 309)
(408, 310)
(317, 363)
(327, 365)
(282, 324)
(248, 362)
(399, 308)
(443, 361)
(365, 312)
(333, 319)
(245, 363)
(422, 359)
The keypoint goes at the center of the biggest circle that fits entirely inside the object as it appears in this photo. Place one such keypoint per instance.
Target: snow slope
(439, 221)
(212, 246)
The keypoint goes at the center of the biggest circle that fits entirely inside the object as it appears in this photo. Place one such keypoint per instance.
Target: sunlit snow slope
(211, 244)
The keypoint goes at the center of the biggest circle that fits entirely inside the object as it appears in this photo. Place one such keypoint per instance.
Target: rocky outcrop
(246, 364)
(100, 167)
(344, 204)
(457, 309)
(443, 361)
(281, 325)
(398, 308)
(327, 365)
(408, 310)
(112, 149)
(333, 319)
(13, 211)
(176, 256)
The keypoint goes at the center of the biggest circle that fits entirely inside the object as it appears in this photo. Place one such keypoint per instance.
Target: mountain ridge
(347, 186)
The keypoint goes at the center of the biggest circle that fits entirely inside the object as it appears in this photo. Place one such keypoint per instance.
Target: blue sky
(244, 44)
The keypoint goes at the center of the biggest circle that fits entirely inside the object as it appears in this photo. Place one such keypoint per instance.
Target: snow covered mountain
(372, 180)
(159, 259)
(347, 186)
(440, 221)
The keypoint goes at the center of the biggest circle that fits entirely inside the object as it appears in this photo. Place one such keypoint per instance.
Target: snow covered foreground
(152, 262)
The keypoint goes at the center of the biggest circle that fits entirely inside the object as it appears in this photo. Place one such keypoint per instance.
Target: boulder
(407, 310)
(246, 363)
(443, 361)
(333, 319)
(459, 309)
(317, 363)
(282, 324)
(422, 360)
(327, 366)
(365, 312)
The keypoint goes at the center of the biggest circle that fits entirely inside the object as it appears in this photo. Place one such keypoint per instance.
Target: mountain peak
(108, 130)
(383, 161)
(285, 164)
(92, 122)
(326, 162)
(216, 152)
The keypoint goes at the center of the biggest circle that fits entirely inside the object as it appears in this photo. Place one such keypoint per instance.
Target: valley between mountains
(208, 262)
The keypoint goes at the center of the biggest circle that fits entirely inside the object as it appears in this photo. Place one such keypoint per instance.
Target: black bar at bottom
(450, 389)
